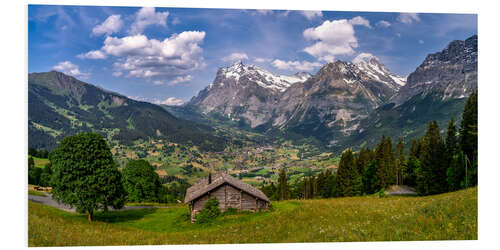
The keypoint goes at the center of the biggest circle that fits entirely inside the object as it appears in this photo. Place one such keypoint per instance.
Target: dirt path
(47, 200)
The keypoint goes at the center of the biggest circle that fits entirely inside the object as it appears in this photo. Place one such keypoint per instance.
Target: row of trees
(83, 174)
(433, 165)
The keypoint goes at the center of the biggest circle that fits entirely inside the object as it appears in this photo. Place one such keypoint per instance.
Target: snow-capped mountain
(261, 77)
(245, 92)
(376, 70)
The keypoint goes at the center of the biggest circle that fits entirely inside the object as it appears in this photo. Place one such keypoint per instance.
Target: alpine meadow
(156, 126)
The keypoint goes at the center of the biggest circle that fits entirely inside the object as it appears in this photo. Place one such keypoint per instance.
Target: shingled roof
(202, 187)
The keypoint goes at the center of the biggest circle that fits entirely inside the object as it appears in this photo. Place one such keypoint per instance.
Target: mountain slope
(60, 105)
(437, 90)
(245, 92)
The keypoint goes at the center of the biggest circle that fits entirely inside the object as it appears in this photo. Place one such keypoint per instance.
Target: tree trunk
(90, 216)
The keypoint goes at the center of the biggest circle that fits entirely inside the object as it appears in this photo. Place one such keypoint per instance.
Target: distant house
(229, 191)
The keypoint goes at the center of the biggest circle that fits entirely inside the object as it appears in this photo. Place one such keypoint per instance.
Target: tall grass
(451, 216)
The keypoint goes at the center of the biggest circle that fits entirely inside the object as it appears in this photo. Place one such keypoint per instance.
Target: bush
(381, 194)
(230, 211)
(209, 212)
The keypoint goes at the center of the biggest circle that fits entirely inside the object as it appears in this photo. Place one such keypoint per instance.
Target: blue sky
(166, 55)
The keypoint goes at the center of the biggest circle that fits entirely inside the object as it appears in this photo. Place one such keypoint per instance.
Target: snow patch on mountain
(262, 77)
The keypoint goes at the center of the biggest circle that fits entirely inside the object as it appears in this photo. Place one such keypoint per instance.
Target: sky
(167, 55)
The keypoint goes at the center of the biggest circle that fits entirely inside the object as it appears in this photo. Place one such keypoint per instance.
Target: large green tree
(401, 162)
(85, 175)
(468, 138)
(348, 178)
(283, 187)
(141, 181)
(385, 164)
(431, 175)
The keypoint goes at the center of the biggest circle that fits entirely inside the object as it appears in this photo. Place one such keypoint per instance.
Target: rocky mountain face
(451, 72)
(436, 90)
(60, 105)
(347, 104)
(245, 92)
(333, 101)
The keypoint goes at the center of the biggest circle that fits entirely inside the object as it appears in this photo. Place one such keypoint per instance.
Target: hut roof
(202, 187)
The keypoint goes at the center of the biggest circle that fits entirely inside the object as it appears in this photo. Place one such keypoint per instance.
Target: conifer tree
(283, 188)
(400, 162)
(385, 164)
(349, 180)
(468, 138)
(413, 163)
(431, 176)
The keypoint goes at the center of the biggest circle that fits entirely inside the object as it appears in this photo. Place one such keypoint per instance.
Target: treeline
(140, 181)
(433, 165)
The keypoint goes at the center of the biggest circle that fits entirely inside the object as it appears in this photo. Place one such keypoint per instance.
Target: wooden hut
(229, 191)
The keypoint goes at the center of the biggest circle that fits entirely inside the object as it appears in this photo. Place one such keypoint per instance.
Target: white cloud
(147, 16)
(94, 54)
(263, 12)
(177, 80)
(69, 68)
(383, 24)
(363, 57)
(235, 57)
(421, 41)
(171, 101)
(408, 18)
(332, 38)
(261, 59)
(117, 73)
(310, 14)
(139, 56)
(295, 65)
(360, 21)
(111, 25)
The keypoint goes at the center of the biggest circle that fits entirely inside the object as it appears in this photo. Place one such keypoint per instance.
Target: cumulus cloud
(235, 57)
(175, 81)
(111, 25)
(261, 59)
(360, 21)
(363, 57)
(139, 56)
(262, 12)
(408, 18)
(310, 14)
(69, 68)
(383, 24)
(332, 38)
(171, 101)
(94, 54)
(147, 16)
(295, 65)
(117, 74)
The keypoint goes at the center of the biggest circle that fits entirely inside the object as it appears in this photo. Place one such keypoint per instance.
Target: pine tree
(348, 178)
(400, 162)
(413, 163)
(468, 138)
(455, 174)
(431, 176)
(385, 164)
(283, 188)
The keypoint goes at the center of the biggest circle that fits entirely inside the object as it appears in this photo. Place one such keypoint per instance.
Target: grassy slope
(451, 216)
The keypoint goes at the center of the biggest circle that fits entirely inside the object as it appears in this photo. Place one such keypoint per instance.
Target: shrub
(209, 212)
(230, 211)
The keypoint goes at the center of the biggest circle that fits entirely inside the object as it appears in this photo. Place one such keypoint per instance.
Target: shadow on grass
(123, 216)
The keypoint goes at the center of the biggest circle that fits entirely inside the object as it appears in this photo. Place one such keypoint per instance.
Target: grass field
(451, 216)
